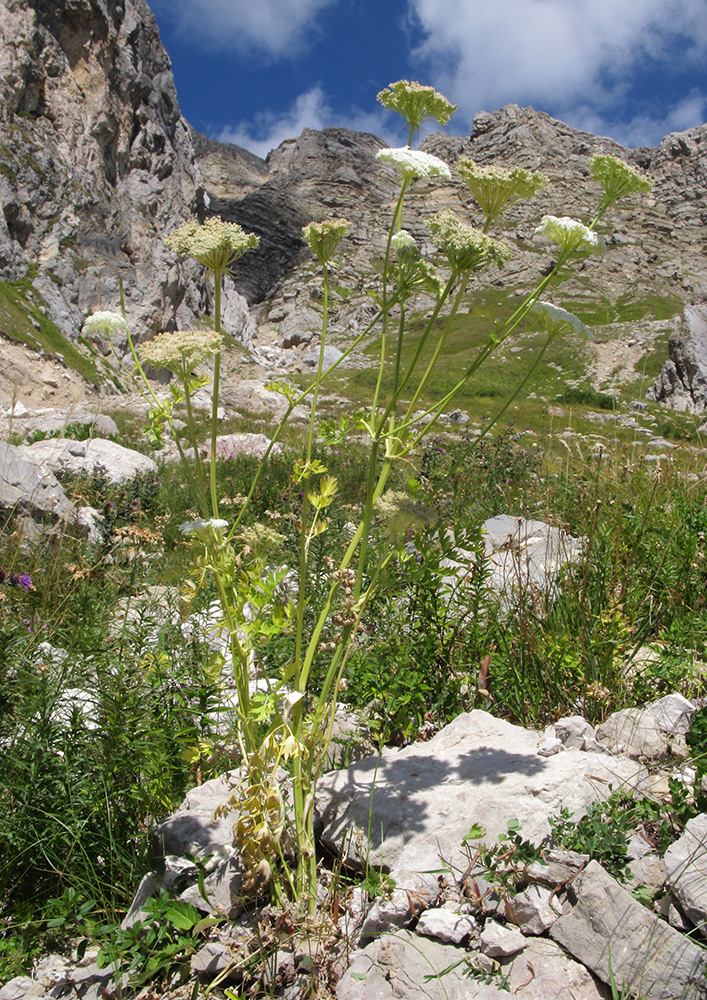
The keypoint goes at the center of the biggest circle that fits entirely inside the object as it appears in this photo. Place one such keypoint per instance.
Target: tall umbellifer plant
(292, 725)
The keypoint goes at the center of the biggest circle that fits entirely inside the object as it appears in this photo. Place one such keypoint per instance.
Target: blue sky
(256, 72)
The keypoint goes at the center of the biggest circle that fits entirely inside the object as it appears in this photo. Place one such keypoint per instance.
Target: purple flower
(23, 580)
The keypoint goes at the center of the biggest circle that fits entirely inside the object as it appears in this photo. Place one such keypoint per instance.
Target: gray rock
(194, 829)
(222, 896)
(212, 959)
(558, 866)
(97, 172)
(532, 910)
(26, 487)
(500, 941)
(673, 713)
(543, 971)
(610, 932)
(445, 925)
(22, 987)
(633, 731)
(331, 356)
(478, 769)
(119, 463)
(682, 384)
(575, 732)
(686, 864)
(231, 445)
(524, 554)
(391, 912)
(649, 871)
(408, 966)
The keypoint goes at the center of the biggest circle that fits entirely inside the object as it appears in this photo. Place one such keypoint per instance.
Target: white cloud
(275, 27)
(645, 130)
(576, 56)
(310, 110)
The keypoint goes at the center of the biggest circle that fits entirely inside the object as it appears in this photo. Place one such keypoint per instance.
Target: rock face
(682, 384)
(97, 164)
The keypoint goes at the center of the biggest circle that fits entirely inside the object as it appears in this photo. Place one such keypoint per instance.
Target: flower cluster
(618, 178)
(466, 248)
(557, 320)
(414, 163)
(23, 580)
(404, 245)
(108, 323)
(324, 237)
(402, 513)
(417, 104)
(495, 188)
(570, 235)
(214, 243)
(181, 351)
(203, 528)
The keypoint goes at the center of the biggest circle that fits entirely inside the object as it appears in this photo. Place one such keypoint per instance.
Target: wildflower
(324, 237)
(403, 513)
(414, 163)
(466, 248)
(617, 178)
(570, 235)
(417, 104)
(557, 320)
(108, 323)
(215, 244)
(23, 580)
(203, 528)
(181, 351)
(495, 188)
(404, 245)
(261, 539)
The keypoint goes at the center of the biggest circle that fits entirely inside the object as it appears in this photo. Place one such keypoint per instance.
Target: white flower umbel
(414, 163)
(203, 528)
(109, 323)
(557, 320)
(213, 243)
(181, 351)
(570, 235)
(404, 245)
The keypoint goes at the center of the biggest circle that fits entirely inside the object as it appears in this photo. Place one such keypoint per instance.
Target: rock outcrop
(682, 384)
(97, 165)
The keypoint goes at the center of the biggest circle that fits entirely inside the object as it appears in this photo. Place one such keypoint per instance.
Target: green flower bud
(324, 237)
(417, 104)
(466, 248)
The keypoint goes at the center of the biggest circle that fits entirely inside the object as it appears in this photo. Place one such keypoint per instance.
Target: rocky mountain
(657, 243)
(97, 164)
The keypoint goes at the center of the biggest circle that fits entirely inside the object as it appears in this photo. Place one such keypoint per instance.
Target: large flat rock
(410, 808)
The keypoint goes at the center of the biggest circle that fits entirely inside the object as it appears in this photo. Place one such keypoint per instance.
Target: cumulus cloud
(645, 129)
(275, 27)
(310, 110)
(577, 57)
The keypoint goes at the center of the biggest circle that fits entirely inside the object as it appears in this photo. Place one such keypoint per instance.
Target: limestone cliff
(96, 163)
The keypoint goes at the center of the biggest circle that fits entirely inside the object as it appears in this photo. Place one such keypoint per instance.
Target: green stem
(385, 305)
(440, 343)
(198, 469)
(218, 278)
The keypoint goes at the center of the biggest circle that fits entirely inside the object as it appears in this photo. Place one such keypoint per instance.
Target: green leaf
(476, 832)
